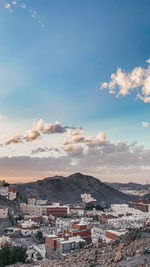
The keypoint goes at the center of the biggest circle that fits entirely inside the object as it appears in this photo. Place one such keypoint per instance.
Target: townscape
(74, 133)
(51, 231)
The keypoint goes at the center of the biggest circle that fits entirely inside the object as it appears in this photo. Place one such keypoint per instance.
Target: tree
(20, 217)
(11, 254)
(91, 206)
(5, 184)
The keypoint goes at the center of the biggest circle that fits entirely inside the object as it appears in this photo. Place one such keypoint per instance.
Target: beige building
(3, 213)
(30, 210)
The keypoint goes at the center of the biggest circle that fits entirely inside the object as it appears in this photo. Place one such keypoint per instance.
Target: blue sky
(54, 56)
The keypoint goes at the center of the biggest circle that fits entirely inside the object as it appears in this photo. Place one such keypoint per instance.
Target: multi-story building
(142, 205)
(4, 191)
(30, 210)
(56, 247)
(9, 192)
(32, 199)
(111, 234)
(104, 218)
(28, 227)
(81, 230)
(3, 212)
(57, 211)
(12, 192)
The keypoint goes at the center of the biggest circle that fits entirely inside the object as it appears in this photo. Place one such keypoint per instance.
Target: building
(32, 200)
(30, 210)
(56, 247)
(12, 192)
(37, 219)
(142, 205)
(104, 218)
(4, 191)
(111, 234)
(28, 227)
(3, 212)
(79, 229)
(57, 211)
(9, 192)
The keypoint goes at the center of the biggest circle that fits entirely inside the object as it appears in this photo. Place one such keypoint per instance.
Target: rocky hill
(69, 189)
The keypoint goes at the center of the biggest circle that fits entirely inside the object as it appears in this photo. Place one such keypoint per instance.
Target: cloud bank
(78, 152)
(104, 159)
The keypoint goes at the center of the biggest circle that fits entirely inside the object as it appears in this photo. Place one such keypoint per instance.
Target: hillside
(69, 189)
(129, 186)
(13, 210)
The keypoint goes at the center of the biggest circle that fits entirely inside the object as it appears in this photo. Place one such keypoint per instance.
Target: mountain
(129, 186)
(69, 189)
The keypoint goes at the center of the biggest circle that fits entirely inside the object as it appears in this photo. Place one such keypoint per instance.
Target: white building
(3, 213)
(4, 191)
(30, 210)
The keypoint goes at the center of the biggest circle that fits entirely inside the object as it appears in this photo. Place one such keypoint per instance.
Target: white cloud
(65, 142)
(11, 5)
(122, 83)
(73, 149)
(101, 138)
(39, 128)
(148, 60)
(16, 139)
(75, 133)
(145, 124)
(78, 139)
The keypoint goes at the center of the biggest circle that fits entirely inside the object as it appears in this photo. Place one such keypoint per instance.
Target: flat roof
(122, 231)
(52, 236)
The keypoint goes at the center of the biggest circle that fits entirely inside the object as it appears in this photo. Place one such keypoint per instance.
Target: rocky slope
(69, 189)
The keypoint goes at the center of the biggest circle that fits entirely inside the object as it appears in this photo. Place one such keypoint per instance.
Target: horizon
(30, 180)
(75, 89)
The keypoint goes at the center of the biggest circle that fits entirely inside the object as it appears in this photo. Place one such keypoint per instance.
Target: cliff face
(69, 189)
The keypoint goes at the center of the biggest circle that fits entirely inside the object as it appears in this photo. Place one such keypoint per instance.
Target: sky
(75, 89)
